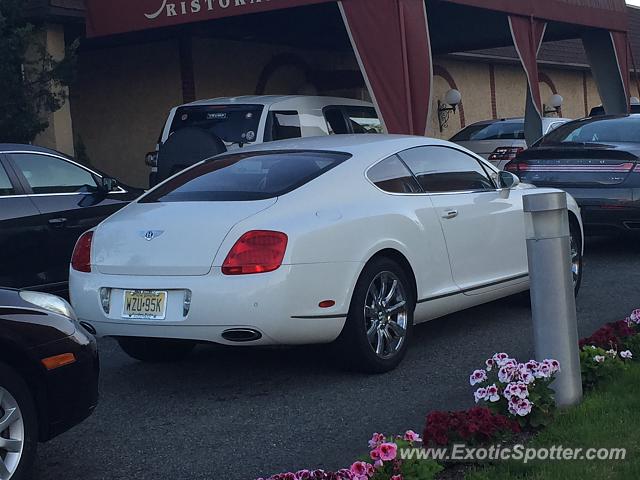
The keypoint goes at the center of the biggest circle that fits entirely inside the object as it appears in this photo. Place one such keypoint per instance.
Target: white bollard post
(553, 304)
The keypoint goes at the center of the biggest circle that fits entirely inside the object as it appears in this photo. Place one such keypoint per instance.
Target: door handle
(58, 222)
(450, 214)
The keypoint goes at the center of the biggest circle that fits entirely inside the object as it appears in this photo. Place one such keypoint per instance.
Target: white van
(202, 129)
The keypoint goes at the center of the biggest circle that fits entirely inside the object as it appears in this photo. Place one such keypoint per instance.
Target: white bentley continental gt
(344, 239)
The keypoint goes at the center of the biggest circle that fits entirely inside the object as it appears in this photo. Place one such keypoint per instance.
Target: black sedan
(48, 375)
(596, 160)
(46, 202)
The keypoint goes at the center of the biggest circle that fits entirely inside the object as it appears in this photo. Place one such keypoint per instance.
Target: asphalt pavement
(237, 414)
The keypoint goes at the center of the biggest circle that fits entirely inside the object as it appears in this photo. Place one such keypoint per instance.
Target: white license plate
(144, 304)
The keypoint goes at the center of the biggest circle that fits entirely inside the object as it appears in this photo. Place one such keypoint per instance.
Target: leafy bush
(611, 335)
(472, 427)
(598, 364)
(517, 390)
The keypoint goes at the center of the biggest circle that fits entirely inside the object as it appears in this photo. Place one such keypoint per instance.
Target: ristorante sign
(109, 17)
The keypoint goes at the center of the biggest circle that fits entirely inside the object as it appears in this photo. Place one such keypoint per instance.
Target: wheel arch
(25, 366)
(399, 258)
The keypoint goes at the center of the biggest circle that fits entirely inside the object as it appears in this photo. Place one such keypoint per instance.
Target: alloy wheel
(576, 261)
(386, 315)
(12, 434)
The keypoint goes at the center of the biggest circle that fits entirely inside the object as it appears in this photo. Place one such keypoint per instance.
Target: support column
(608, 54)
(527, 33)
(59, 133)
(391, 41)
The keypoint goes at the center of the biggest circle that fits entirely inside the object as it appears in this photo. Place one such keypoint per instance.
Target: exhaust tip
(88, 327)
(240, 335)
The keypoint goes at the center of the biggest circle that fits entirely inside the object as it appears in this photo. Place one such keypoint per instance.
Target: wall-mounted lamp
(554, 105)
(452, 98)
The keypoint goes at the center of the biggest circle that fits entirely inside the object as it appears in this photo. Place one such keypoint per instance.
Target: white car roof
(375, 145)
(284, 100)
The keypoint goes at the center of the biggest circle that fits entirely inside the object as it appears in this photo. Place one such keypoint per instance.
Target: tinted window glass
(285, 125)
(231, 123)
(443, 169)
(47, 174)
(335, 121)
(246, 176)
(391, 175)
(5, 184)
(363, 119)
(596, 130)
(493, 131)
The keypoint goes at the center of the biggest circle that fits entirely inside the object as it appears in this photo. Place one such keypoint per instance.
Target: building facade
(126, 84)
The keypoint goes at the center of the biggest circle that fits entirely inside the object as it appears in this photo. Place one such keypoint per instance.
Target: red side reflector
(81, 258)
(57, 361)
(326, 304)
(258, 251)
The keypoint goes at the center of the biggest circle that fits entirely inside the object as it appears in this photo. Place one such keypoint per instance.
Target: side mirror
(108, 184)
(507, 180)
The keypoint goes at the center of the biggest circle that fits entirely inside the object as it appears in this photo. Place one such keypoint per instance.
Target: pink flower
(360, 469)
(524, 374)
(396, 477)
(480, 394)
(554, 365)
(626, 355)
(411, 436)
(375, 454)
(388, 451)
(507, 373)
(520, 406)
(517, 390)
(376, 440)
(490, 364)
(598, 359)
(378, 463)
(492, 394)
(478, 376)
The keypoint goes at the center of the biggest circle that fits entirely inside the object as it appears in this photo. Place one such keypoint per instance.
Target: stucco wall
(119, 104)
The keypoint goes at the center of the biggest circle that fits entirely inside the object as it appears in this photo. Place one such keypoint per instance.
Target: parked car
(499, 141)
(205, 128)
(596, 160)
(349, 238)
(46, 202)
(48, 375)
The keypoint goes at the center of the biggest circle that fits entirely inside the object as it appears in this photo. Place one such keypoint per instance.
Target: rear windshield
(231, 123)
(596, 130)
(492, 131)
(246, 176)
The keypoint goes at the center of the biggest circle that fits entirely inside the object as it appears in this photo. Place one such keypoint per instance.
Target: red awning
(110, 17)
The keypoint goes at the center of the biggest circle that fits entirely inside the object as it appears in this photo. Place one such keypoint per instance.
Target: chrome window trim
(47, 154)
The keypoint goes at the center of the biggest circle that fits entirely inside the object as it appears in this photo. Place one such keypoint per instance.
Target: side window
(391, 175)
(553, 126)
(444, 169)
(6, 188)
(47, 174)
(285, 124)
(336, 122)
(363, 119)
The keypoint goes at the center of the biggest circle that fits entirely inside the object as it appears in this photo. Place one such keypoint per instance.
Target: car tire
(375, 336)
(16, 397)
(156, 350)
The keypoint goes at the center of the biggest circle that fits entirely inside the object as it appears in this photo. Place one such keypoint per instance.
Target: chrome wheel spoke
(398, 330)
(379, 342)
(392, 310)
(392, 291)
(11, 416)
(386, 325)
(4, 471)
(10, 445)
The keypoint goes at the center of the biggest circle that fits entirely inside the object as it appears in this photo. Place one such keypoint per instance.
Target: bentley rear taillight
(258, 251)
(81, 258)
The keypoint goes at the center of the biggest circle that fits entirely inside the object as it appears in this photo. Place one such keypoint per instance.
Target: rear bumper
(609, 209)
(282, 305)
